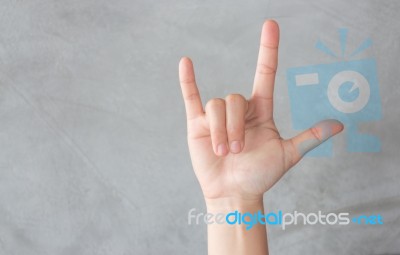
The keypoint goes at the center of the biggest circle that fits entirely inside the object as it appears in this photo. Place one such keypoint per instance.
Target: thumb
(296, 147)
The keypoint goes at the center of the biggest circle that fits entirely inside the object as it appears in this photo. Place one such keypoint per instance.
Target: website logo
(249, 220)
(346, 90)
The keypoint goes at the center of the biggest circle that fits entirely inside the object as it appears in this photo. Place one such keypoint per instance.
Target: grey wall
(92, 129)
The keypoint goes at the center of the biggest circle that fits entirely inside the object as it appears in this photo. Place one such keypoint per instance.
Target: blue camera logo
(344, 90)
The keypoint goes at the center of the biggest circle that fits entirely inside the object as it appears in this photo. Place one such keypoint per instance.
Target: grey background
(92, 129)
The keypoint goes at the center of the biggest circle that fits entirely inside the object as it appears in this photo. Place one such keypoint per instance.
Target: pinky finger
(190, 92)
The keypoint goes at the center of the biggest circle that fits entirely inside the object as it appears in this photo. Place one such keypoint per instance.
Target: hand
(235, 148)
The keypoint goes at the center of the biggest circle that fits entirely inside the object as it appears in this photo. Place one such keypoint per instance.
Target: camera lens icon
(359, 84)
(346, 90)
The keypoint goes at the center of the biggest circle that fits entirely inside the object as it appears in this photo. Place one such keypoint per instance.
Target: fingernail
(221, 149)
(235, 147)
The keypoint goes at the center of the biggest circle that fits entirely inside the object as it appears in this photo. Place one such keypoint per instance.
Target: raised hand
(235, 148)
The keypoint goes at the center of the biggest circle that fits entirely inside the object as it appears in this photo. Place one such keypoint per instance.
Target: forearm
(236, 239)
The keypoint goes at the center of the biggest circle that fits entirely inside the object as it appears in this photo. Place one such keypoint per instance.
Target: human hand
(235, 147)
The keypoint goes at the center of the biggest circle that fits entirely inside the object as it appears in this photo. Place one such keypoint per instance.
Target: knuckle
(186, 81)
(215, 103)
(265, 69)
(316, 133)
(234, 98)
(268, 46)
(192, 97)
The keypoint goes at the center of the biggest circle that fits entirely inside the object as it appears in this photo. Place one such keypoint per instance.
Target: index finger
(190, 92)
(267, 61)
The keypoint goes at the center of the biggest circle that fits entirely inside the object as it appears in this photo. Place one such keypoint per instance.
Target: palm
(263, 157)
(249, 173)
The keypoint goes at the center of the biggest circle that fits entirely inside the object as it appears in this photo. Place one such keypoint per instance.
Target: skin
(236, 150)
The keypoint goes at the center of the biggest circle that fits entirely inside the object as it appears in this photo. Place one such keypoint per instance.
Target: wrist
(244, 236)
(224, 204)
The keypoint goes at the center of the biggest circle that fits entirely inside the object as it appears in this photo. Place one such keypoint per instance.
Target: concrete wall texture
(93, 147)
